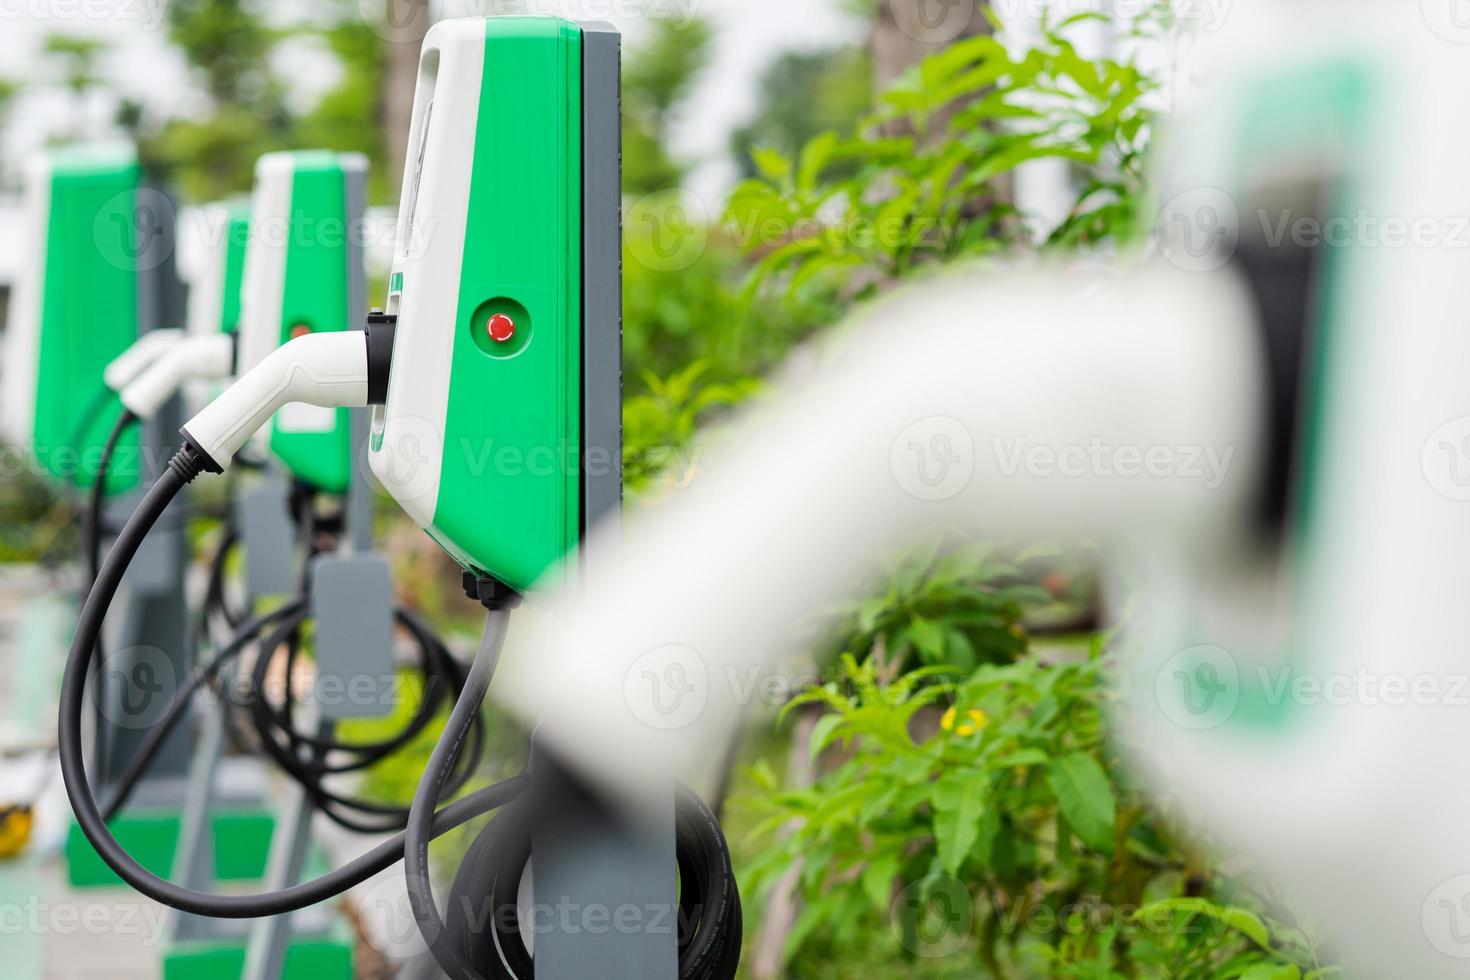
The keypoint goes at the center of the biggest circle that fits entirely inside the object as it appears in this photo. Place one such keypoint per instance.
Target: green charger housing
(90, 222)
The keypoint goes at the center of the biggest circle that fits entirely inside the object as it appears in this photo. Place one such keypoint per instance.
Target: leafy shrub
(926, 179)
(1002, 837)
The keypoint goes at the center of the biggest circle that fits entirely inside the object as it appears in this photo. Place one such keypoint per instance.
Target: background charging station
(303, 273)
(100, 273)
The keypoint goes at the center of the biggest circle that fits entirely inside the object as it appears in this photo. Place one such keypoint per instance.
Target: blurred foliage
(37, 524)
(925, 181)
(940, 603)
(657, 77)
(1003, 836)
(229, 47)
(802, 95)
(347, 118)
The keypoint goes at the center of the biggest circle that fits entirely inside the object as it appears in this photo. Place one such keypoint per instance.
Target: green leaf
(822, 733)
(772, 163)
(958, 799)
(1085, 798)
(928, 638)
(1241, 920)
(1021, 757)
(878, 878)
(814, 156)
(1272, 971)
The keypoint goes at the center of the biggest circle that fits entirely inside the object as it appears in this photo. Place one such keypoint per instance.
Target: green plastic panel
(242, 841)
(237, 235)
(315, 298)
(509, 490)
(306, 959)
(89, 315)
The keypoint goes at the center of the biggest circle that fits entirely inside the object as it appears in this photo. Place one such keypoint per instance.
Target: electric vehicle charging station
(1323, 463)
(526, 353)
(99, 274)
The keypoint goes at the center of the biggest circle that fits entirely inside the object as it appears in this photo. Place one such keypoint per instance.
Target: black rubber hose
(441, 765)
(482, 915)
(92, 551)
(99, 493)
(184, 466)
(270, 724)
(158, 733)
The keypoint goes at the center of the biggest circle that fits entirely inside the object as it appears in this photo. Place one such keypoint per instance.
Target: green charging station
(488, 293)
(88, 233)
(214, 293)
(495, 381)
(308, 203)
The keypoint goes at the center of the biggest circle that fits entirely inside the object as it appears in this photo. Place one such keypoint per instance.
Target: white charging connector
(131, 363)
(325, 369)
(201, 358)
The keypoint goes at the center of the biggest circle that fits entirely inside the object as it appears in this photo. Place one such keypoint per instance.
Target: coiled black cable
(709, 949)
(710, 907)
(483, 917)
(309, 759)
(304, 756)
(184, 466)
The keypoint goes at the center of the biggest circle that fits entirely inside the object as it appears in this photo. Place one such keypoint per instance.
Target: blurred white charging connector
(193, 358)
(325, 369)
(131, 363)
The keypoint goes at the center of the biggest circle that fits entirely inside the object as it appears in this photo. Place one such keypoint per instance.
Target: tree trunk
(408, 22)
(906, 32)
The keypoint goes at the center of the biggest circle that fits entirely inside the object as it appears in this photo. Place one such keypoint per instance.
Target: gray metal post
(611, 885)
(265, 533)
(147, 656)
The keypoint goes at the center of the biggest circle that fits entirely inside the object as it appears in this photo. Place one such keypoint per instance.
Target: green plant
(959, 607)
(927, 179)
(659, 425)
(1000, 834)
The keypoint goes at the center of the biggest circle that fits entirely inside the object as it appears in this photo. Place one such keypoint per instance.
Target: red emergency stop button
(501, 328)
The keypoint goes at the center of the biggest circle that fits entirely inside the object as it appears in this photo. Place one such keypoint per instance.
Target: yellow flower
(976, 721)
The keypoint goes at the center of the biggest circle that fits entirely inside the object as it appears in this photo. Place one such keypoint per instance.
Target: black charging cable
(182, 469)
(710, 911)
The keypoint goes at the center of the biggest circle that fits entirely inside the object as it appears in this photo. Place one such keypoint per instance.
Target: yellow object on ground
(15, 829)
